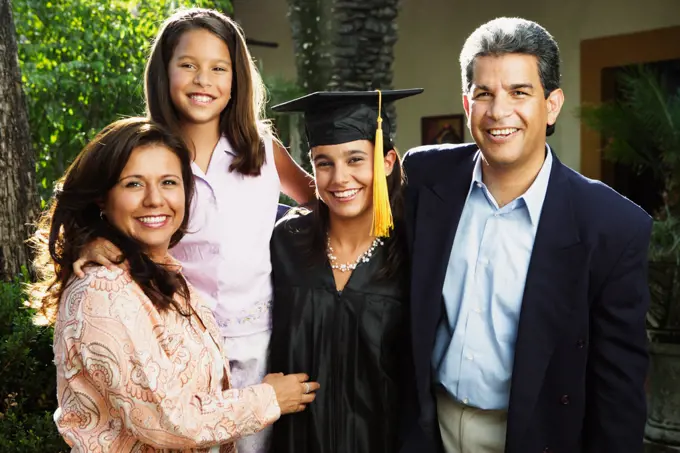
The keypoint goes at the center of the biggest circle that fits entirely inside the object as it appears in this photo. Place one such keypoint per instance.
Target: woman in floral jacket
(140, 367)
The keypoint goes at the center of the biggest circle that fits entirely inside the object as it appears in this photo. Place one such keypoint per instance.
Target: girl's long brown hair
(73, 219)
(242, 119)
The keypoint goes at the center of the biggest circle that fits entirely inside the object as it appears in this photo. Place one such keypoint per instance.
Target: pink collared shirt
(225, 255)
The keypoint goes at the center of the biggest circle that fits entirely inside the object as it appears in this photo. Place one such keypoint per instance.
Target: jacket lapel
(438, 211)
(205, 316)
(551, 283)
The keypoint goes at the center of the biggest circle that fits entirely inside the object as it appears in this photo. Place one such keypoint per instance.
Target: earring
(101, 214)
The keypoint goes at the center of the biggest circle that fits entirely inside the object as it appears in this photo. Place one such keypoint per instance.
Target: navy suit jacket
(581, 352)
(281, 211)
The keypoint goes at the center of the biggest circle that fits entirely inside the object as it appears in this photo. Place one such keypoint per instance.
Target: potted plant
(642, 129)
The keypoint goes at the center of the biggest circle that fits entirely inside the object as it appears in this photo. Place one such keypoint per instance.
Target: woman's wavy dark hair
(395, 245)
(242, 119)
(74, 218)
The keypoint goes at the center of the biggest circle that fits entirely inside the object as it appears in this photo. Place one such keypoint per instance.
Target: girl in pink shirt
(202, 84)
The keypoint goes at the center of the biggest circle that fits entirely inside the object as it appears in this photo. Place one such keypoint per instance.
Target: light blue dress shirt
(483, 289)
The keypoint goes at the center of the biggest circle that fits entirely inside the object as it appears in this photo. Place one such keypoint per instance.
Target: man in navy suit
(529, 281)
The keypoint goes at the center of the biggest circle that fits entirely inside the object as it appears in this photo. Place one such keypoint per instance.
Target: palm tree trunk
(363, 47)
(345, 45)
(18, 193)
(311, 27)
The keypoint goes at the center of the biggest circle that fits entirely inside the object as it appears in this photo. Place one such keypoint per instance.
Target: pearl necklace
(363, 258)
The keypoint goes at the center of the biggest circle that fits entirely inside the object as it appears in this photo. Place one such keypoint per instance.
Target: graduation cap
(335, 117)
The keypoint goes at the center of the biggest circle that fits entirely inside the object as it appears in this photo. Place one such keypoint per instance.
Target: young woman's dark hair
(74, 217)
(395, 244)
(241, 120)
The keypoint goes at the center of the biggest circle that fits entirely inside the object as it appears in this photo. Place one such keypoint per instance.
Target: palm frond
(642, 127)
(645, 94)
(626, 139)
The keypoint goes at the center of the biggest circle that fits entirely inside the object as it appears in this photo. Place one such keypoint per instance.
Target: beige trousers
(466, 429)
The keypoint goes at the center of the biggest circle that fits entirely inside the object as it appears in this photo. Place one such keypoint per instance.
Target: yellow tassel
(382, 212)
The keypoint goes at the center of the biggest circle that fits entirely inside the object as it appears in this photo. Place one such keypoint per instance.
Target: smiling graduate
(340, 280)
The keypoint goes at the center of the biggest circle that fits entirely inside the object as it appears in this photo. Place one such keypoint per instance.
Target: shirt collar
(535, 194)
(224, 145)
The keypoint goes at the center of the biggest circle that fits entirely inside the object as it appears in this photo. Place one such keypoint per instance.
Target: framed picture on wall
(442, 129)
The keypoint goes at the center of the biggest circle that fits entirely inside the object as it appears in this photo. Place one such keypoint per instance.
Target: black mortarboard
(334, 117)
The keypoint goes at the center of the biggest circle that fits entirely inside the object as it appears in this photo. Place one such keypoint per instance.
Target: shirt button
(465, 400)
(470, 357)
(215, 249)
(478, 184)
(580, 343)
(565, 400)
(478, 310)
(214, 294)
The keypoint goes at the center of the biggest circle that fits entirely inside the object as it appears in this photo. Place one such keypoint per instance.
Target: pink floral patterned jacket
(133, 379)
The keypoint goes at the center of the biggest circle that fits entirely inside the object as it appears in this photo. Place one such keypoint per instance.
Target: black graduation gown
(352, 343)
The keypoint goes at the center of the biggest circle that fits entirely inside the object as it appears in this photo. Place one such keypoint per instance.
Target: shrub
(27, 379)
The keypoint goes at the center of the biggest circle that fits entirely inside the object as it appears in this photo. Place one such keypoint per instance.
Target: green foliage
(27, 379)
(82, 64)
(642, 130)
(289, 126)
(280, 89)
(666, 243)
(286, 125)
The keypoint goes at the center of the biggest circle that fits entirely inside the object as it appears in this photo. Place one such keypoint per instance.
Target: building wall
(267, 20)
(432, 32)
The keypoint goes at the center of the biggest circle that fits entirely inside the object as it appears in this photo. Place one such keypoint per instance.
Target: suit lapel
(438, 211)
(551, 282)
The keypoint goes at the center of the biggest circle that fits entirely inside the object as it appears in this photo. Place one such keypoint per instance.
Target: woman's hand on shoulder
(293, 391)
(100, 251)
